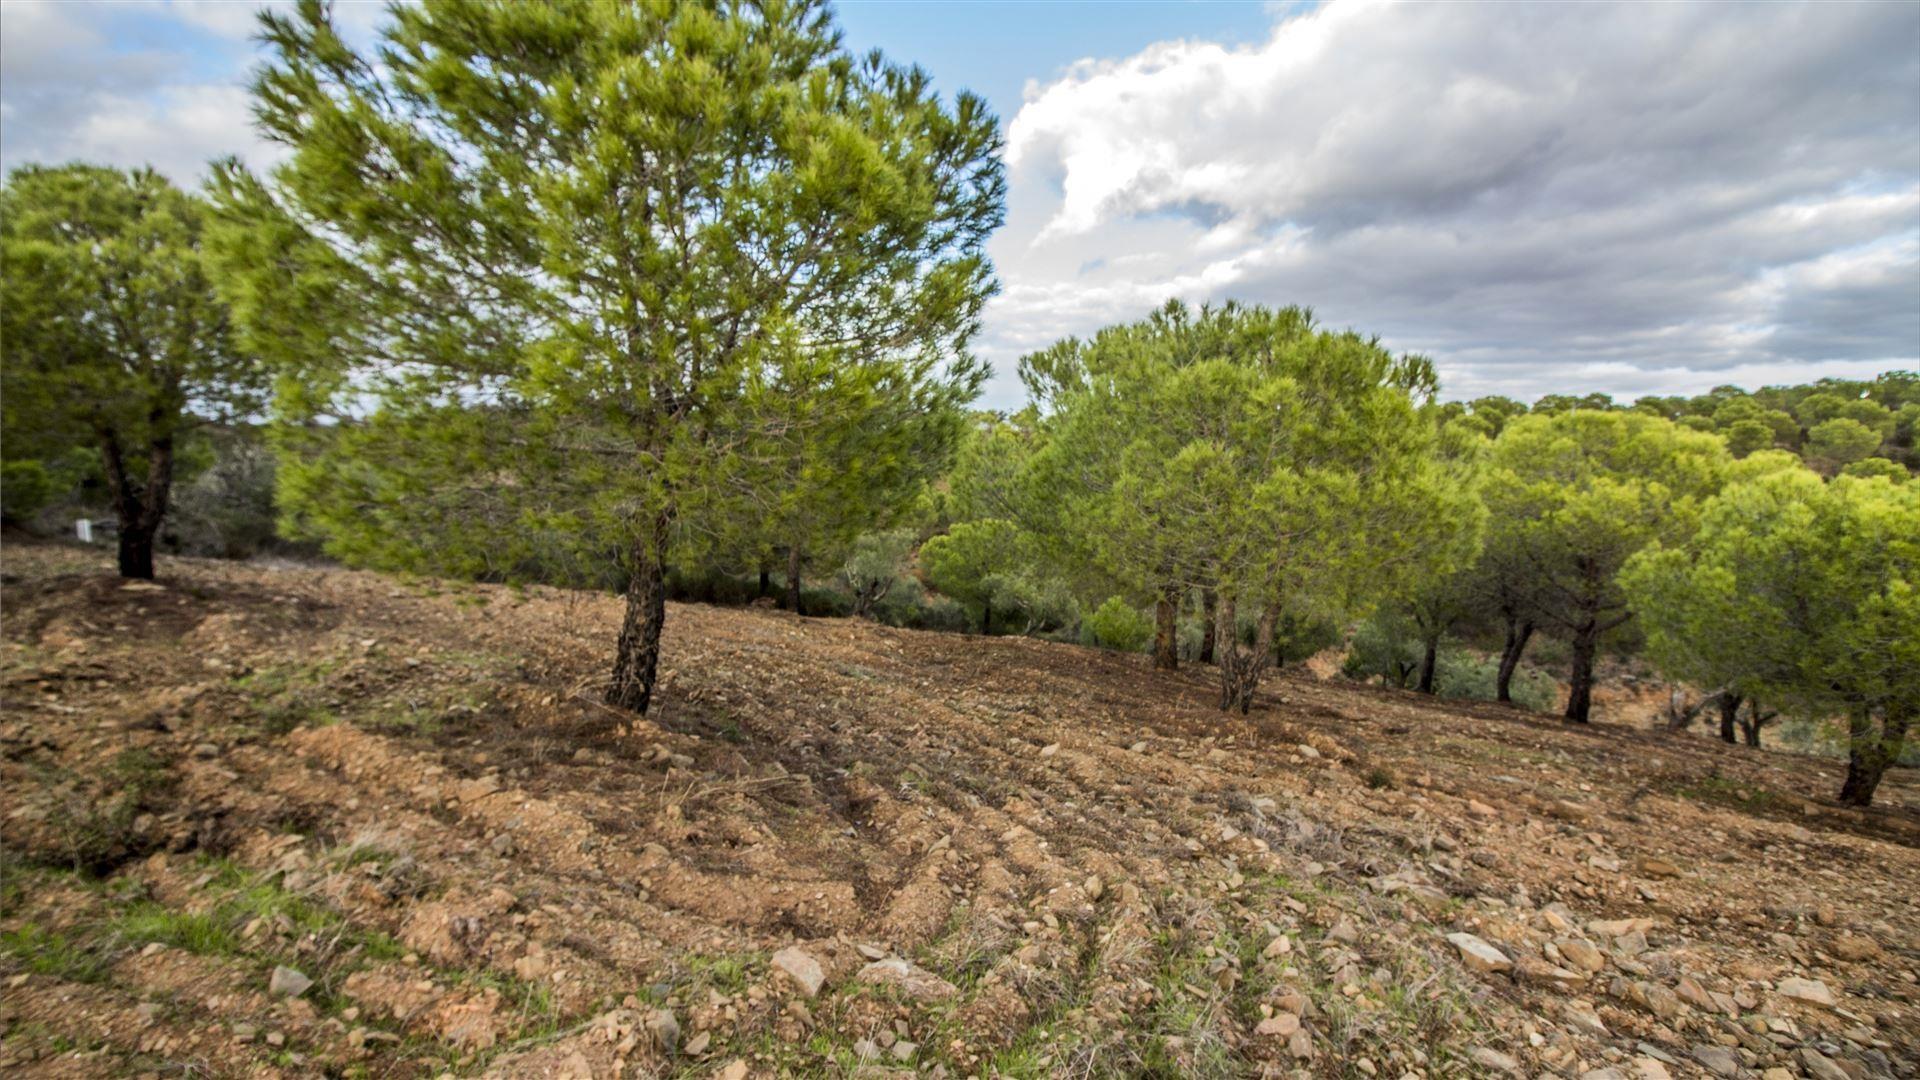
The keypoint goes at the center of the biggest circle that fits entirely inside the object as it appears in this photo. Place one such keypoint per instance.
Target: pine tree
(535, 273)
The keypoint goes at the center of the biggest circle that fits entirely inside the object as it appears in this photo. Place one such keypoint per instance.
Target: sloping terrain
(309, 822)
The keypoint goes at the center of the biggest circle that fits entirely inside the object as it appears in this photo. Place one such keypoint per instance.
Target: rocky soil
(300, 822)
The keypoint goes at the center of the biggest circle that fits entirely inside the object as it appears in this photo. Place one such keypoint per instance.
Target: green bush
(1461, 674)
(25, 487)
(1119, 625)
(1385, 645)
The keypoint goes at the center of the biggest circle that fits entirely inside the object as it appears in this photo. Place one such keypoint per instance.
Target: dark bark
(637, 656)
(766, 580)
(1166, 629)
(1209, 602)
(1580, 684)
(1519, 632)
(139, 507)
(1428, 661)
(1753, 722)
(986, 617)
(1729, 714)
(1240, 669)
(1870, 752)
(792, 600)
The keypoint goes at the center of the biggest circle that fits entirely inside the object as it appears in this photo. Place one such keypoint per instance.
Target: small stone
(732, 1070)
(1279, 946)
(1719, 1060)
(1050, 749)
(664, 1029)
(871, 952)
(802, 968)
(1478, 955)
(1820, 1066)
(698, 1044)
(1280, 1025)
(1300, 1045)
(1811, 991)
(1489, 1058)
(912, 981)
(286, 982)
(1654, 866)
(1139, 747)
(1581, 953)
(502, 844)
(1647, 1068)
(206, 750)
(904, 1050)
(1095, 887)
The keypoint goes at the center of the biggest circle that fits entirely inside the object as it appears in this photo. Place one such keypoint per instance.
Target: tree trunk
(1209, 602)
(766, 580)
(986, 617)
(1240, 669)
(637, 657)
(1580, 685)
(139, 508)
(1166, 629)
(1750, 727)
(1519, 632)
(1869, 753)
(1729, 714)
(1427, 663)
(792, 601)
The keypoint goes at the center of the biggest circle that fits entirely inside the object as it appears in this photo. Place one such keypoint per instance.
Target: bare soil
(407, 794)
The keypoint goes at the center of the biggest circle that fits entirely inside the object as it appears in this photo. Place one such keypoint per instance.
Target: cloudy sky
(1645, 198)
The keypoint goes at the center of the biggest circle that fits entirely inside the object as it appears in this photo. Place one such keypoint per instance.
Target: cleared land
(1004, 857)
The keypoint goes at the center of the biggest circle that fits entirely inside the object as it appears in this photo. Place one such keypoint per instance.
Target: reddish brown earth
(998, 857)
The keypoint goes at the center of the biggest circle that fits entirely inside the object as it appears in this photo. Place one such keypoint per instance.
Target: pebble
(1478, 955)
(287, 982)
(796, 964)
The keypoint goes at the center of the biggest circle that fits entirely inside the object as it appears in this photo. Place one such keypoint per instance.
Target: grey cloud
(1544, 198)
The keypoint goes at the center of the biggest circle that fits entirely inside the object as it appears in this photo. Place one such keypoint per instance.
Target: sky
(1631, 198)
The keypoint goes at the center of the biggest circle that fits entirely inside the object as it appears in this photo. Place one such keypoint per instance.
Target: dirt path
(839, 849)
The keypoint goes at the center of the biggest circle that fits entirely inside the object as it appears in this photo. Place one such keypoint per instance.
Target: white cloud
(1543, 198)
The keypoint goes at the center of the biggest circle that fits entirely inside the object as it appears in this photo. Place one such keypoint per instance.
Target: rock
(1300, 1045)
(502, 844)
(871, 952)
(206, 750)
(1049, 750)
(1655, 866)
(1647, 1068)
(913, 981)
(1489, 1058)
(904, 1050)
(1281, 1025)
(1581, 953)
(1695, 995)
(1094, 887)
(1850, 947)
(803, 969)
(286, 982)
(1630, 944)
(1584, 1019)
(698, 1044)
(1539, 971)
(732, 1070)
(664, 1029)
(1820, 1066)
(1139, 747)
(1344, 931)
(1478, 955)
(1480, 809)
(1811, 991)
(1279, 946)
(1719, 1060)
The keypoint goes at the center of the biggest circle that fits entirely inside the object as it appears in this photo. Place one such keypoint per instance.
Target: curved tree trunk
(1209, 603)
(1519, 632)
(792, 599)
(1870, 752)
(1729, 714)
(1428, 661)
(1166, 629)
(139, 507)
(1580, 684)
(637, 656)
(1241, 668)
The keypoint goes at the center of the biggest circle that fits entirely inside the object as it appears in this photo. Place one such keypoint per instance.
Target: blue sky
(1625, 198)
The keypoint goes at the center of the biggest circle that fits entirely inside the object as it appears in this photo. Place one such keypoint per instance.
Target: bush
(226, 510)
(1464, 675)
(1119, 625)
(821, 602)
(25, 487)
(1385, 645)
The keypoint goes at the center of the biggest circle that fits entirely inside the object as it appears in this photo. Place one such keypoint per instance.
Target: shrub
(1462, 674)
(25, 487)
(1119, 625)
(1385, 645)
(226, 510)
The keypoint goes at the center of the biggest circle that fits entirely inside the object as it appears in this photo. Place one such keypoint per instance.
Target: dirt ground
(268, 821)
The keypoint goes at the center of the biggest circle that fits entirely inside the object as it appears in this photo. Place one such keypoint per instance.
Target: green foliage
(1801, 593)
(227, 509)
(1387, 645)
(1116, 624)
(1471, 676)
(26, 485)
(1876, 466)
(1745, 436)
(876, 566)
(114, 337)
(1574, 496)
(1840, 441)
(592, 277)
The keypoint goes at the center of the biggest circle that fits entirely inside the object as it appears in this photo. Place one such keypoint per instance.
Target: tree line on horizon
(678, 301)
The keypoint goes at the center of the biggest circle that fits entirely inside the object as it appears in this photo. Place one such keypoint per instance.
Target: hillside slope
(840, 849)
